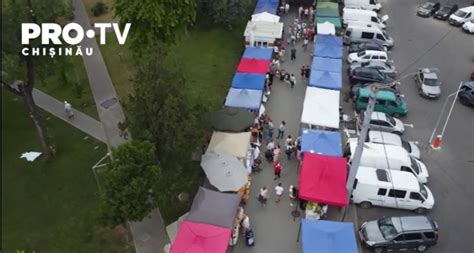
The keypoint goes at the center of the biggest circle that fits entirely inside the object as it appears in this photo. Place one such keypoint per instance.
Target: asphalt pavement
(428, 42)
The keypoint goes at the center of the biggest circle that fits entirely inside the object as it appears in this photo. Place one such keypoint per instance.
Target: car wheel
(421, 248)
(463, 100)
(420, 210)
(366, 205)
(379, 250)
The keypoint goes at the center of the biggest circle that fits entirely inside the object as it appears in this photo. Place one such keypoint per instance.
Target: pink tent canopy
(195, 237)
(253, 66)
(323, 179)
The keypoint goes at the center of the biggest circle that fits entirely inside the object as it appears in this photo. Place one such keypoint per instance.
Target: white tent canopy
(235, 144)
(262, 33)
(326, 28)
(265, 16)
(321, 107)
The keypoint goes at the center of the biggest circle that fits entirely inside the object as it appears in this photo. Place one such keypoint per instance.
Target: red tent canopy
(195, 237)
(253, 66)
(323, 179)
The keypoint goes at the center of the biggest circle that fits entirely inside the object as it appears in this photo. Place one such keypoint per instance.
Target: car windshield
(361, 53)
(445, 9)
(391, 120)
(386, 227)
(423, 191)
(406, 145)
(460, 13)
(414, 165)
(385, 35)
(427, 5)
(431, 82)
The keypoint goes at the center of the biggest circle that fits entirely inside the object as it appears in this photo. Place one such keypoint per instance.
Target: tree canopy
(131, 183)
(223, 12)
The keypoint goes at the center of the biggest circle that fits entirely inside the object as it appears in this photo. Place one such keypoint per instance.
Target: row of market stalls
(327, 11)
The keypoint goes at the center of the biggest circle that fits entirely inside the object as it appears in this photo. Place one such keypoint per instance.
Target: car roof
(412, 223)
(379, 116)
(430, 75)
(381, 94)
(469, 84)
(399, 179)
(384, 137)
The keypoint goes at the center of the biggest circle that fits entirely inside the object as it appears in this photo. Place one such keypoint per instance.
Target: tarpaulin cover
(265, 16)
(327, 236)
(336, 21)
(201, 238)
(325, 79)
(326, 28)
(229, 119)
(224, 171)
(248, 81)
(321, 107)
(259, 53)
(329, 40)
(323, 179)
(327, 12)
(215, 208)
(243, 98)
(269, 6)
(235, 144)
(328, 51)
(253, 66)
(329, 5)
(321, 142)
(327, 64)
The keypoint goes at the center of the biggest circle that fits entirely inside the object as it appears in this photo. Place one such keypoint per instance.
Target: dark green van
(387, 102)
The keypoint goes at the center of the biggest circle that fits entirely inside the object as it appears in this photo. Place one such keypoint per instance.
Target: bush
(98, 9)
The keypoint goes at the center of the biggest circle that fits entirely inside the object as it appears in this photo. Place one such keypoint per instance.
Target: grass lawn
(77, 83)
(50, 206)
(106, 17)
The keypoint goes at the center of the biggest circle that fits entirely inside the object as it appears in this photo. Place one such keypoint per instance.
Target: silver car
(387, 68)
(385, 123)
(428, 82)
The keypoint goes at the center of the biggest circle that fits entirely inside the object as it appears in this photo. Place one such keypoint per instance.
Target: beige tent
(235, 144)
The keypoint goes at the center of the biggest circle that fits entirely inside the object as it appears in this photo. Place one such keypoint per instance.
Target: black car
(399, 233)
(446, 11)
(369, 75)
(372, 45)
(466, 94)
(428, 9)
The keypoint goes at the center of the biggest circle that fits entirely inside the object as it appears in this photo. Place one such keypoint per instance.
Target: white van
(395, 140)
(461, 16)
(367, 56)
(360, 16)
(388, 157)
(356, 33)
(372, 5)
(397, 189)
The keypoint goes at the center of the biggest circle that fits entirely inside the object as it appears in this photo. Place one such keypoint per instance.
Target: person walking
(307, 72)
(122, 126)
(300, 12)
(68, 109)
(302, 71)
(305, 44)
(278, 192)
(245, 223)
(292, 80)
(282, 54)
(289, 147)
(276, 153)
(270, 130)
(293, 54)
(281, 130)
(293, 194)
(277, 169)
(263, 196)
(287, 8)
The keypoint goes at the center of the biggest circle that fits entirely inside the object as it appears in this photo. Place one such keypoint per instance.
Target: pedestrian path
(81, 121)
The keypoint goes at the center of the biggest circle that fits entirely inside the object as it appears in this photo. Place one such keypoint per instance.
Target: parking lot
(428, 42)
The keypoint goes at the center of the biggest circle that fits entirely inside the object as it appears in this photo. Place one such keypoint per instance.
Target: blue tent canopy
(321, 142)
(325, 79)
(248, 81)
(258, 53)
(269, 6)
(242, 98)
(327, 64)
(327, 236)
(328, 51)
(330, 40)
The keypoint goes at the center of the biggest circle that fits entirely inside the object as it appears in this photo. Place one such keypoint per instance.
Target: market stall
(253, 66)
(325, 79)
(201, 238)
(326, 64)
(259, 53)
(321, 142)
(327, 51)
(224, 171)
(235, 144)
(326, 28)
(244, 98)
(321, 108)
(230, 119)
(327, 236)
(265, 16)
(269, 6)
(327, 12)
(330, 40)
(262, 33)
(248, 81)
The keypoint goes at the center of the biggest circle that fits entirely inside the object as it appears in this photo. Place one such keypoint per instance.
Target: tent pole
(299, 233)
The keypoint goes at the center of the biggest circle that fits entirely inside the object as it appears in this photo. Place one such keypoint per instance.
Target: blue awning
(321, 142)
(327, 64)
(325, 79)
(328, 51)
(269, 6)
(329, 40)
(248, 81)
(258, 53)
(242, 98)
(327, 236)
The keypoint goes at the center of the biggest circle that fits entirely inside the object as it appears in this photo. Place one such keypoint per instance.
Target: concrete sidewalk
(80, 120)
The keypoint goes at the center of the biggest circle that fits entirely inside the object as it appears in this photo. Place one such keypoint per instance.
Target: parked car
(445, 11)
(466, 94)
(392, 88)
(399, 233)
(367, 56)
(369, 75)
(428, 9)
(370, 45)
(386, 101)
(394, 139)
(428, 82)
(461, 16)
(385, 123)
(469, 26)
(387, 68)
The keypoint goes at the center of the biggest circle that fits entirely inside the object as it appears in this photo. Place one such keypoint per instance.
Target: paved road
(427, 42)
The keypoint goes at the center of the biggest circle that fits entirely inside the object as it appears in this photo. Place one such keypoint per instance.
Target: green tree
(19, 71)
(159, 111)
(223, 12)
(131, 184)
(155, 21)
